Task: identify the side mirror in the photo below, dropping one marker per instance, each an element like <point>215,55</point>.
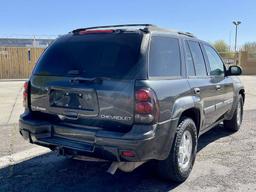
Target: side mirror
<point>234,70</point>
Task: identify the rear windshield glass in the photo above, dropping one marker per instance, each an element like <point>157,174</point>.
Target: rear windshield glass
<point>91,55</point>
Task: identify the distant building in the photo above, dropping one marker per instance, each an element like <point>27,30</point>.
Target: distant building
<point>15,42</point>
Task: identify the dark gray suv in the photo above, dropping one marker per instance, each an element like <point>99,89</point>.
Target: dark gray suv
<point>130,94</point>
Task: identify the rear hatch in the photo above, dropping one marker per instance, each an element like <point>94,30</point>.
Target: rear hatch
<point>88,80</point>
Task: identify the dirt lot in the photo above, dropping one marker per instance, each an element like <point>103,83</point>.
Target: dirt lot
<point>225,161</point>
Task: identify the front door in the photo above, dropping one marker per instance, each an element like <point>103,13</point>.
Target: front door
<point>223,85</point>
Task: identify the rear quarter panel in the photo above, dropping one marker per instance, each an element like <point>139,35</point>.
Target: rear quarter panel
<point>167,92</point>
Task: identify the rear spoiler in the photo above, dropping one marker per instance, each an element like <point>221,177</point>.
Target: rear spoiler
<point>144,27</point>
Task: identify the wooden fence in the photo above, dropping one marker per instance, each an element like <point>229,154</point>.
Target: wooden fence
<point>17,62</point>
<point>247,61</point>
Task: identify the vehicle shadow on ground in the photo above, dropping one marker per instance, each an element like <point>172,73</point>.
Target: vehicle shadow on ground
<point>212,135</point>
<point>54,173</point>
<point>51,173</point>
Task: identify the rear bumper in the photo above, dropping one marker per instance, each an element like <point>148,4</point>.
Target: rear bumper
<point>146,141</point>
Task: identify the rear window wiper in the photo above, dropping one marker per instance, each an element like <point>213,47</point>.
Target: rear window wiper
<point>88,80</point>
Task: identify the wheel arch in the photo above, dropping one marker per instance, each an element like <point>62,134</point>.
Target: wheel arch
<point>239,91</point>
<point>190,107</point>
<point>242,92</point>
<point>194,114</point>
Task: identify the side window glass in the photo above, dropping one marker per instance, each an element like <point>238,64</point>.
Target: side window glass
<point>164,57</point>
<point>197,58</point>
<point>216,65</point>
<point>189,61</point>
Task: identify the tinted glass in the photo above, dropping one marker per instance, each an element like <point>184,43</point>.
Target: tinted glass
<point>215,62</point>
<point>189,61</point>
<point>164,57</point>
<point>197,58</point>
<point>92,55</point>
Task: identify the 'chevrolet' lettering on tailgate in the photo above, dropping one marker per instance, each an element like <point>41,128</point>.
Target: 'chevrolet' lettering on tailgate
<point>119,118</point>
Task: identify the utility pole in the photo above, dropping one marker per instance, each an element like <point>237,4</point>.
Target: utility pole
<point>236,23</point>
<point>230,34</point>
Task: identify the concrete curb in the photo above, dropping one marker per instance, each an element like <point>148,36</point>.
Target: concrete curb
<point>22,156</point>
<point>9,80</point>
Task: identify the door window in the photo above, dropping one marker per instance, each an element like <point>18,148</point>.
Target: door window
<point>198,58</point>
<point>216,64</point>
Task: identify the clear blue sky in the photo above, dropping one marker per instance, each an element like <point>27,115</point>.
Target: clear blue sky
<point>209,20</point>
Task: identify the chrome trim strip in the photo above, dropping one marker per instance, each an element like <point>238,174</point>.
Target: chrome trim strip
<point>209,109</point>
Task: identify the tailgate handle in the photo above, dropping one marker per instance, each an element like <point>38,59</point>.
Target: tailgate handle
<point>68,115</point>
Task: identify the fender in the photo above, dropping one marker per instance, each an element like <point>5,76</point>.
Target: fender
<point>237,88</point>
<point>188,102</point>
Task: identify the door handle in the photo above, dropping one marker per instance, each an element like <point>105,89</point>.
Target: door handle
<point>218,87</point>
<point>197,90</point>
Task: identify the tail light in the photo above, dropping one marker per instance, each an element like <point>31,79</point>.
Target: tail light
<point>25,94</point>
<point>146,106</point>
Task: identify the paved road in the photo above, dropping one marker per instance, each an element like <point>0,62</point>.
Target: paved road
<point>11,107</point>
<point>225,162</point>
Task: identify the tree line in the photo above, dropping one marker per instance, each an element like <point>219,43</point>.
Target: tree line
<point>224,49</point>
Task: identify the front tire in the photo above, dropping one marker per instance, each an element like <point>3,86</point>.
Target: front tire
<point>179,163</point>
<point>234,124</point>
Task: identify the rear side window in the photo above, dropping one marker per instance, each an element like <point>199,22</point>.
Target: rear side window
<point>92,55</point>
<point>164,57</point>
<point>197,58</point>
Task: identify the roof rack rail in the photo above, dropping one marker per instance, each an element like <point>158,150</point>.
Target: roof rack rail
<point>186,33</point>
<point>115,26</point>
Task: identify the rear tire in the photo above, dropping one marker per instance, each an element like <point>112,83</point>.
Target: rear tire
<point>234,124</point>
<point>179,163</point>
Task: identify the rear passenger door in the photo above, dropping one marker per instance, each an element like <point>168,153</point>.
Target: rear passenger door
<point>202,86</point>
<point>224,86</point>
